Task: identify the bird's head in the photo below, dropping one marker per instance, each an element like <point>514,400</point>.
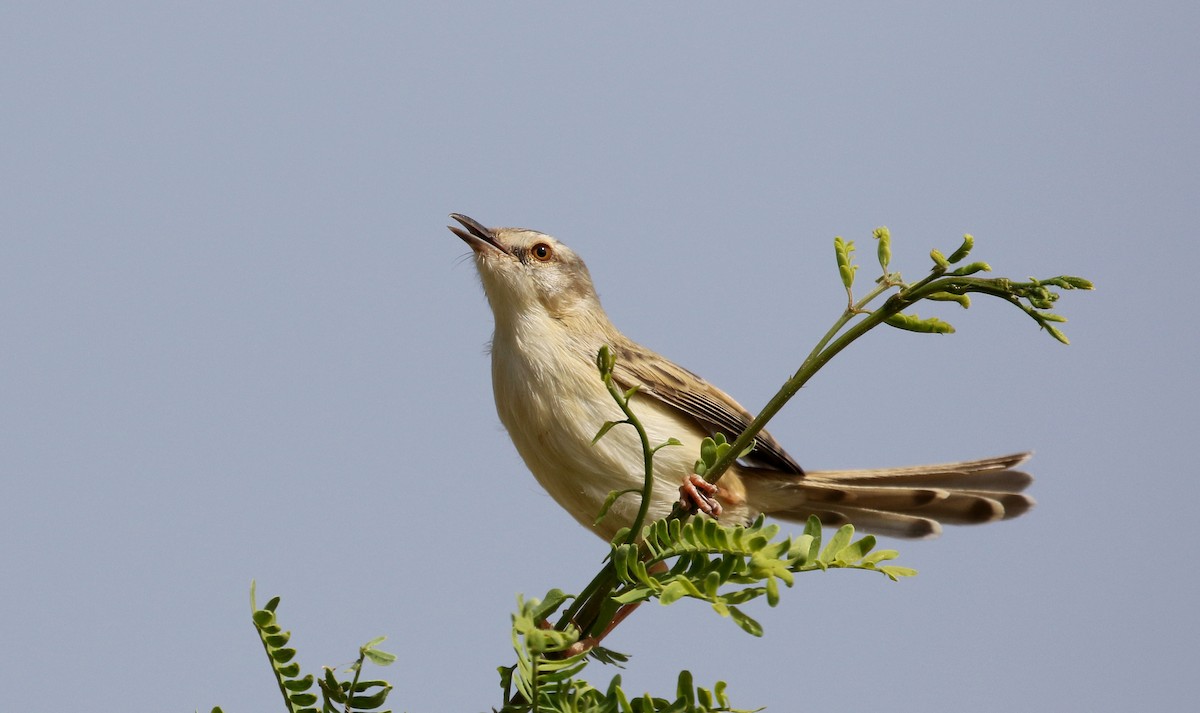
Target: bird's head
<point>526,272</point>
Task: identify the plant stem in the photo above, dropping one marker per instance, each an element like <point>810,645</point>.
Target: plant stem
<point>587,608</point>
<point>362,656</point>
<point>585,611</point>
<point>647,457</point>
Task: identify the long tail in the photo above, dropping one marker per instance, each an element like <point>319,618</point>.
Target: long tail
<point>901,502</point>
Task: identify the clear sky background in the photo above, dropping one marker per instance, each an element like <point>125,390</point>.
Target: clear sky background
<point>237,341</point>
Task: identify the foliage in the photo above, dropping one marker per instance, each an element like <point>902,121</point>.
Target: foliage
<point>343,696</point>
<point>682,557</point>
<point>709,556</point>
<point>545,672</point>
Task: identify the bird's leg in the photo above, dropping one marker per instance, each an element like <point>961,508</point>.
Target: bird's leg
<point>696,493</point>
<point>624,611</point>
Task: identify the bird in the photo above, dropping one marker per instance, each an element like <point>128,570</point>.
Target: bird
<point>549,327</point>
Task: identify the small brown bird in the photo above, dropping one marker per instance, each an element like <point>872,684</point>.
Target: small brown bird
<point>549,327</point>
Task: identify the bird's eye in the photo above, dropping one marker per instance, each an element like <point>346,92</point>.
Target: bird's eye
<point>542,252</point>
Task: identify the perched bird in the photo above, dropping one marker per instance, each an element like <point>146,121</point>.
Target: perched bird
<point>549,395</point>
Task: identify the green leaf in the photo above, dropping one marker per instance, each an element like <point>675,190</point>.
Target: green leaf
<point>609,501</point>
<point>665,444</point>
<point>299,685</point>
<point>837,543</point>
<point>380,658</point>
<point>745,621</point>
<point>772,591</point>
<point>277,640</point>
<point>638,594</point>
<point>371,701</point>
<point>880,556</point>
<point>283,655</point>
<point>303,699</point>
<point>263,618</point>
<point>673,592</point>
<point>605,428</point>
<point>800,549</point>
<point>894,573</point>
<point>554,599</point>
<point>608,656</point>
<point>856,551</point>
<point>291,670</point>
<point>685,688</point>
<point>708,451</point>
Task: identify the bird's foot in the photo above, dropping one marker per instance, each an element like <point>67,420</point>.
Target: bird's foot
<point>697,494</point>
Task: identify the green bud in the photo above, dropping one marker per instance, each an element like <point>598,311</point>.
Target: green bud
<point>967,244</point>
<point>1057,334</point>
<point>1067,282</point>
<point>884,236</point>
<point>913,323</point>
<point>972,269</point>
<point>844,249</point>
<point>605,360</point>
<point>962,300</point>
<point>939,259</point>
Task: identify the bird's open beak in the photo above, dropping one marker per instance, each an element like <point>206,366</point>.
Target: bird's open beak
<point>475,234</point>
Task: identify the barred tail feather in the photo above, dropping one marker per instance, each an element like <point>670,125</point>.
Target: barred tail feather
<point>909,502</point>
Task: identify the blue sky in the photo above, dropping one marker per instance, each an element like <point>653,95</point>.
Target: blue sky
<point>237,341</point>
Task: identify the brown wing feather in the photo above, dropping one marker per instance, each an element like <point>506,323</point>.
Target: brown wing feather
<point>709,406</point>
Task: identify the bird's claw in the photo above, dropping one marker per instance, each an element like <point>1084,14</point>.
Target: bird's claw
<point>697,494</point>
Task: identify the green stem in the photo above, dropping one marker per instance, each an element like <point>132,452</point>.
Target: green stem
<point>852,310</point>
<point>275,669</point>
<point>606,579</point>
<point>362,656</point>
<point>798,380</point>
<point>585,611</point>
<point>647,458</point>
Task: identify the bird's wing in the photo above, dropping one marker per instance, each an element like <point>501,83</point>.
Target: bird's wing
<point>710,407</point>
